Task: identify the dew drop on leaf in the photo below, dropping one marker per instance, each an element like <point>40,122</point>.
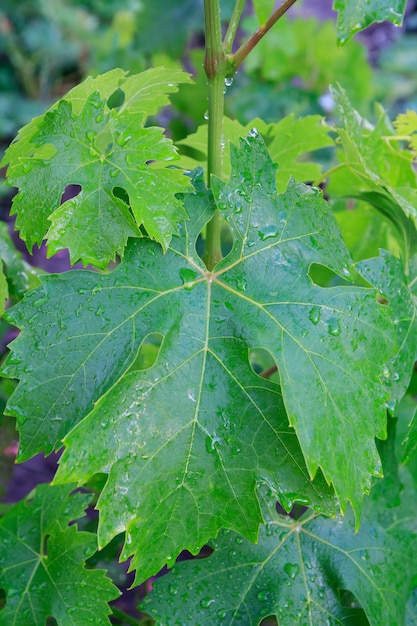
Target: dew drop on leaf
<point>333,327</point>
<point>206,602</point>
<point>268,232</point>
<point>314,315</point>
<point>292,570</point>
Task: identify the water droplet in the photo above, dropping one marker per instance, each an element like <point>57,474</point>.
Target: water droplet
<point>268,232</point>
<point>90,135</point>
<point>333,326</point>
<point>206,115</point>
<point>206,602</point>
<point>241,284</point>
<point>263,595</point>
<point>99,118</point>
<point>228,81</point>
<point>56,419</point>
<point>314,315</point>
<point>222,614</point>
<point>113,173</point>
<point>239,540</point>
<point>187,277</point>
<point>123,139</point>
<point>292,570</point>
<point>253,133</point>
<point>173,589</point>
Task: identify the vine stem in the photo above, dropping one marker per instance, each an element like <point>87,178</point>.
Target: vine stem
<point>233,26</point>
<point>215,65</point>
<point>241,54</point>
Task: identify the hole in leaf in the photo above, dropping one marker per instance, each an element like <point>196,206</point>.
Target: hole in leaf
<point>148,352</point>
<point>263,364</point>
<point>2,599</point>
<point>45,545</point>
<point>270,620</point>
<point>121,194</point>
<point>323,276</point>
<point>116,99</point>
<point>70,192</point>
<point>51,621</point>
<point>348,600</point>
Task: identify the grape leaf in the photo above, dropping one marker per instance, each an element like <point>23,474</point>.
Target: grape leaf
<point>387,274</point>
<point>199,421</point>
<point>144,92</point>
<point>289,141</point>
<point>406,124</point>
<point>355,15</point>
<point>307,571</point>
<point>42,563</point>
<point>102,150</point>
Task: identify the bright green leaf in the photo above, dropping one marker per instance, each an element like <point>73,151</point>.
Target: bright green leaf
<point>406,124</point>
<point>289,142</point>
<point>42,563</point>
<point>355,15</point>
<point>193,425</point>
<point>102,150</point>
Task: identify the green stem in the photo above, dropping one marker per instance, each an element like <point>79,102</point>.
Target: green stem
<point>215,65</point>
<point>260,32</point>
<point>233,26</point>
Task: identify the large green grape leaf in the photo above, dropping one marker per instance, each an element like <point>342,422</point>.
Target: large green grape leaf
<point>185,442</point>
<point>355,15</point>
<point>289,142</point>
<point>42,563</point>
<point>305,572</point>
<point>102,150</point>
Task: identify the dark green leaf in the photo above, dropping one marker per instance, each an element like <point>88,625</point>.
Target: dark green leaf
<point>305,572</point>
<point>42,563</point>
<point>185,442</point>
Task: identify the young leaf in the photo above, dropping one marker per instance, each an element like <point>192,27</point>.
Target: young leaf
<point>355,15</point>
<point>289,141</point>
<point>185,442</point>
<point>373,170</point>
<point>406,124</point>
<point>42,563</point>
<point>103,150</point>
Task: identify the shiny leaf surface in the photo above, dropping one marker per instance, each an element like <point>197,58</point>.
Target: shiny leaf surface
<point>42,563</point>
<point>106,152</point>
<point>185,442</point>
